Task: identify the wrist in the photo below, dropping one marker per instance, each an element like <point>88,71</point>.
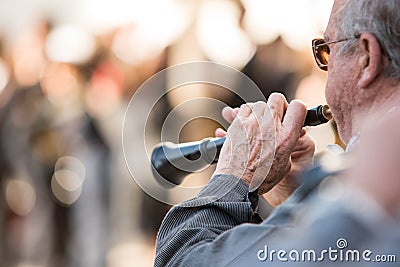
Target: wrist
<point>243,174</point>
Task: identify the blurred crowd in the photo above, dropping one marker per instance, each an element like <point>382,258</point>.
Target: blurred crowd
<point>63,178</point>
<point>66,196</point>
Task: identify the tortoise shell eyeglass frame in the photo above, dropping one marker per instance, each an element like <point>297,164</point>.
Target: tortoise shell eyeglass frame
<point>321,51</point>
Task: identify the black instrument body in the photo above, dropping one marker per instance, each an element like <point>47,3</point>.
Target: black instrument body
<point>172,162</point>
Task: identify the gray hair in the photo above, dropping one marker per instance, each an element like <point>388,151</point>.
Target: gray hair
<point>379,17</point>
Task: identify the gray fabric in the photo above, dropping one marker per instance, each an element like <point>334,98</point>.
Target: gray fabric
<point>219,233</point>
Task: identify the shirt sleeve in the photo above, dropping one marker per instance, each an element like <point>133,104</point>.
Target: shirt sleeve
<point>214,228</point>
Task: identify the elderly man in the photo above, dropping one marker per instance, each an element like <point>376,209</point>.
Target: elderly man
<point>324,217</point>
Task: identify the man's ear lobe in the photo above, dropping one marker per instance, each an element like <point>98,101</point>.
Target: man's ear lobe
<point>371,60</point>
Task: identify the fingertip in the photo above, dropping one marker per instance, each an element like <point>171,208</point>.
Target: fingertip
<point>277,105</point>
<point>298,107</point>
<point>220,132</point>
<point>227,114</point>
<point>245,110</point>
<point>226,110</point>
<point>277,95</point>
<point>299,103</point>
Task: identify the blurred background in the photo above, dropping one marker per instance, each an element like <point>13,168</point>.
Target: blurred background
<point>67,72</point>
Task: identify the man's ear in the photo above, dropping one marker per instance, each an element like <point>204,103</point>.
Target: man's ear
<point>371,60</point>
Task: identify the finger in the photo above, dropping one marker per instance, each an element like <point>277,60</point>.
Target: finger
<point>303,132</point>
<point>294,119</point>
<point>259,109</point>
<point>277,105</point>
<point>229,114</point>
<point>304,149</point>
<point>245,110</point>
<point>220,132</point>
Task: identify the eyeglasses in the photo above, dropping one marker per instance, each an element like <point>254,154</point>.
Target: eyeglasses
<point>321,51</point>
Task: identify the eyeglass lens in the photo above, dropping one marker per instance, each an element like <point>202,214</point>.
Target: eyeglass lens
<point>322,52</point>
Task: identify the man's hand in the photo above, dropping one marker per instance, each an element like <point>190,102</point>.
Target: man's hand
<point>266,146</point>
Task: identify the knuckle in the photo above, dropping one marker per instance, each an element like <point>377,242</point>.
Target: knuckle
<point>283,144</point>
<point>253,122</point>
